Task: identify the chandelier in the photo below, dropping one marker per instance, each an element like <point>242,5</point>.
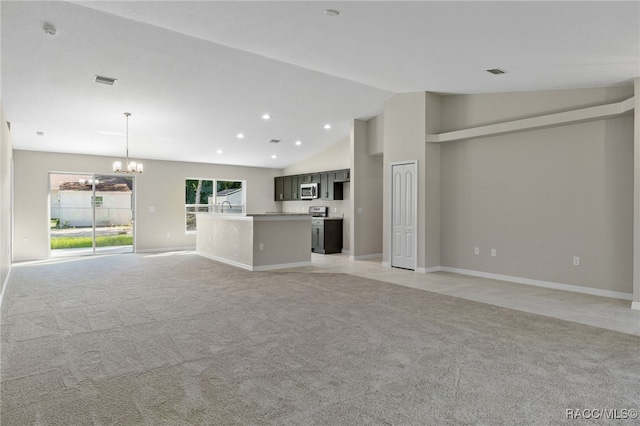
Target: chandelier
<point>130,166</point>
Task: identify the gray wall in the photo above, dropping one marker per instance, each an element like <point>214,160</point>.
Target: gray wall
<point>539,197</point>
<point>375,135</point>
<point>366,190</point>
<point>160,187</point>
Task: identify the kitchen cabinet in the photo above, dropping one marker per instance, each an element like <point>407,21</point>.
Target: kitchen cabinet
<point>329,188</point>
<point>279,188</point>
<point>325,192</point>
<point>309,178</point>
<point>295,187</point>
<point>342,175</point>
<point>287,188</point>
<point>326,235</point>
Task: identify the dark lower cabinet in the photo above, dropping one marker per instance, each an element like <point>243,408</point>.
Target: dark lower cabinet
<point>326,236</point>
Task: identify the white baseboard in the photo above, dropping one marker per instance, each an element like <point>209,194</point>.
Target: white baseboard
<point>281,266</point>
<point>366,256</point>
<point>385,264</point>
<point>545,284</point>
<point>166,249</point>
<point>417,270</point>
<point>343,251</point>
<point>254,268</point>
<point>636,306</point>
<point>227,261</point>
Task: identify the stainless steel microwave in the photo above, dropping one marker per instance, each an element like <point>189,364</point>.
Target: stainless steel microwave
<point>308,191</point>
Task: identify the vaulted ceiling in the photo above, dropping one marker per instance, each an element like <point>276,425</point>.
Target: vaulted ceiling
<point>194,75</point>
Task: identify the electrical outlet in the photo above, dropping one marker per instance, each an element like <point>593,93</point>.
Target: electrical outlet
<point>476,250</point>
<point>261,247</point>
<point>25,240</point>
<point>494,253</point>
<point>168,234</point>
<point>576,260</point>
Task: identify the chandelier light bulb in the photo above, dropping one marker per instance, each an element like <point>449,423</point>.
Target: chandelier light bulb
<point>130,166</point>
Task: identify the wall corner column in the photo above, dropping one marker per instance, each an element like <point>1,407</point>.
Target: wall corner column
<point>365,230</point>
<point>407,119</point>
<point>636,196</point>
<point>433,260</point>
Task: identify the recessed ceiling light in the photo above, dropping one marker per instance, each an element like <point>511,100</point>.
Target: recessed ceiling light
<point>274,156</point>
<point>266,116</point>
<point>219,151</point>
<point>240,136</point>
<point>331,12</point>
<point>327,126</point>
<point>298,143</point>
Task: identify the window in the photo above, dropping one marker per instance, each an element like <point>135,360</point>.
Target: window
<point>199,194</point>
<point>229,197</point>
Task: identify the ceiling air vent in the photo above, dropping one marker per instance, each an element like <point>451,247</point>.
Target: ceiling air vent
<point>274,141</point>
<point>496,71</point>
<point>104,80</point>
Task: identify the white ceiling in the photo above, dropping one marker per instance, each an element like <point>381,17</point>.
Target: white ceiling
<point>195,74</point>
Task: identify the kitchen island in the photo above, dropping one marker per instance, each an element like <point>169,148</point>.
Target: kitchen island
<point>257,242</point>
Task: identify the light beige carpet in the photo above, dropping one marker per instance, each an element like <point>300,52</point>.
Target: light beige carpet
<point>183,340</point>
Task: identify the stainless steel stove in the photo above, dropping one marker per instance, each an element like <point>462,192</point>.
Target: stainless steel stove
<point>326,232</point>
<point>319,211</point>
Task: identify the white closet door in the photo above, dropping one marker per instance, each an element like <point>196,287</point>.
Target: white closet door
<point>403,216</point>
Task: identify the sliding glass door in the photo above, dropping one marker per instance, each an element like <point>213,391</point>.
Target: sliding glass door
<point>91,214</point>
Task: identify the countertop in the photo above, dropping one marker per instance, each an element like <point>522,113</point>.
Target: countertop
<point>267,215</point>
<point>255,216</point>
<point>278,214</point>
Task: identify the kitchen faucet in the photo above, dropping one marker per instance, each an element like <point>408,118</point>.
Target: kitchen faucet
<point>222,206</point>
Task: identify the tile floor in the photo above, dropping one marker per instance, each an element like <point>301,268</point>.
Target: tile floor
<point>603,312</point>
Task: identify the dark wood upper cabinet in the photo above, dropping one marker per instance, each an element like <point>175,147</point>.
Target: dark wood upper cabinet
<point>287,188</point>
